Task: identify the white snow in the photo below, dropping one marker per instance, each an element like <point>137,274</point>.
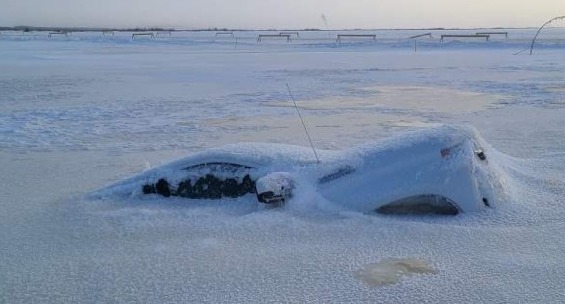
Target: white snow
<point>88,111</point>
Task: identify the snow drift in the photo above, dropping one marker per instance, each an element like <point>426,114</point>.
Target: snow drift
<point>443,170</point>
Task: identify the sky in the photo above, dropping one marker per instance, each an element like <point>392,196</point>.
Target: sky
<point>265,14</point>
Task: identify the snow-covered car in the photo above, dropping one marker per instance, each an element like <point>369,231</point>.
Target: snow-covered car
<point>442,170</point>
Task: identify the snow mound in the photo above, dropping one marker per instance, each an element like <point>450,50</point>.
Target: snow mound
<point>445,169</point>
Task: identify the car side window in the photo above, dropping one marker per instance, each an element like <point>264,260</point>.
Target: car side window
<point>343,171</point>
<point>213,180</point>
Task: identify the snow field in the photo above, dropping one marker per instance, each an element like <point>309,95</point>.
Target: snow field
<point>82,113</point>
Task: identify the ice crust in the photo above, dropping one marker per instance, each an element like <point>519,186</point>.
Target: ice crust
<point>83,113</point>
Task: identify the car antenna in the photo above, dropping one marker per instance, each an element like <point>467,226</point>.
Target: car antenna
<point>303,124</point>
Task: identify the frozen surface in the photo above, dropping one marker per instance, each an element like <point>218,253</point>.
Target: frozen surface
<point>86,111</point>
<point>391,271</point>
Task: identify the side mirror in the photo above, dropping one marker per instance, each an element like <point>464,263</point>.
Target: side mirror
<point>274,188</point>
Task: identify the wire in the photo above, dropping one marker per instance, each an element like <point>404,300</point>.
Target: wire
<point>303,124</point>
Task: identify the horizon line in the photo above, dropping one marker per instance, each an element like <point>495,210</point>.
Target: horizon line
<point>179,29</point>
